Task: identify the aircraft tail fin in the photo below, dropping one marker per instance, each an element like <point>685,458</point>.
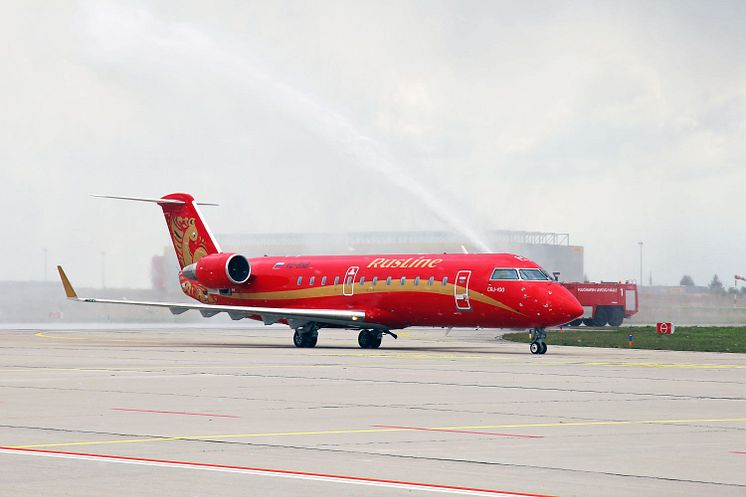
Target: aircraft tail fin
<point>191,237</point>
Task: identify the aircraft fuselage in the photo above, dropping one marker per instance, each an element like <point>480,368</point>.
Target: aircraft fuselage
<point>396,291</point>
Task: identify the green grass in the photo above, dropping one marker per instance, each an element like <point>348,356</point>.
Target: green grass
<point>693,338</point>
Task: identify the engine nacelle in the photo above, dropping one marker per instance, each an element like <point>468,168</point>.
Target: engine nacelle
<point>219,271</point>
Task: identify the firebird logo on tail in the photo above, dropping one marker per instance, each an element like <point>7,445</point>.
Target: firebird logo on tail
<point>189,244</point>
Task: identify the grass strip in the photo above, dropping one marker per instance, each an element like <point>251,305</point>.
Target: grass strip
<point>690,338</point>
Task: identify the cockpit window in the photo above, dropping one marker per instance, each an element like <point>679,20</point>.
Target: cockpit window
<point>504,274</point>
<point>534,274</point>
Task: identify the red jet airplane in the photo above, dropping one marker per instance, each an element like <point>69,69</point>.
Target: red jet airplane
<point>371,293</point>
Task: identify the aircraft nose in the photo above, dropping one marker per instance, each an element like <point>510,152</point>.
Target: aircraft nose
<point>568,305</point>
<point>553,304</point>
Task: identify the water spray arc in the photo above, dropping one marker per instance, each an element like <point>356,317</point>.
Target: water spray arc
<point>118,30</point>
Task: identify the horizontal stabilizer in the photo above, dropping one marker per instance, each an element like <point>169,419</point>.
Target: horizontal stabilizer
<point>159,201</point>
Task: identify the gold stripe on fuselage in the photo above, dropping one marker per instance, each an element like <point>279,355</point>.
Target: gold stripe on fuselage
<point>367,289</point>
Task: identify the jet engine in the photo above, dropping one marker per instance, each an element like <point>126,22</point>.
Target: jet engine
<point>219,271</point>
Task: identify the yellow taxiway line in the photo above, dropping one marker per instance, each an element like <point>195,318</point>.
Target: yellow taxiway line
<point>381,430</point>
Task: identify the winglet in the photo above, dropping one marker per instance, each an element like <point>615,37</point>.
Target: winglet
<point>69,290</point>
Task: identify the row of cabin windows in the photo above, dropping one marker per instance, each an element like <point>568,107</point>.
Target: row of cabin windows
<point>374,281</point>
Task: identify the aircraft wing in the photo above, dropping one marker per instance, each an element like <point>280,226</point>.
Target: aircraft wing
<point>270,315</point>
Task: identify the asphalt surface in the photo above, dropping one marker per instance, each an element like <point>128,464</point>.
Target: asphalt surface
<point>243,412</point>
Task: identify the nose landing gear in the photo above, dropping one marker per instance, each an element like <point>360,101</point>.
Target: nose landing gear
<point>537,345</point>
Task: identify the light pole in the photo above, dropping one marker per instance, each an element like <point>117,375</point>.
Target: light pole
<point>640,244</point>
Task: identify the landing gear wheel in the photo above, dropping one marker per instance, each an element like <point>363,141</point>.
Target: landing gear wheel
<point>537,336</point>
<point>305,340</point>
<point>369,339</point>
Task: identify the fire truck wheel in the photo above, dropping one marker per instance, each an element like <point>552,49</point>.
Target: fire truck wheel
<point>601,317</point>
<point>616,317</point>
<point>576,322</point>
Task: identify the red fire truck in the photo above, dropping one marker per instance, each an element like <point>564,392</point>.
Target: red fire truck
<point>604,303</point>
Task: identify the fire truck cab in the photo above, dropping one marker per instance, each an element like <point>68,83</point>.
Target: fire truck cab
<point>604,303</point>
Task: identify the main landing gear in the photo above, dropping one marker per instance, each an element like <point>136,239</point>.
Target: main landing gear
<point>537,336</point>
<point>369,339</point>
<point>306,336</point>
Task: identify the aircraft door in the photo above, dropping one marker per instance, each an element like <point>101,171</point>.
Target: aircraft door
<point>348,284</point>
<point>461,290</point>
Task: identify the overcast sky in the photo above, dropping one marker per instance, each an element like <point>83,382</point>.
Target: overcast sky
<point>617,122</point>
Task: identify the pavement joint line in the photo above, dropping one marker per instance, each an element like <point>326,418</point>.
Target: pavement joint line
<point>282,473</point>
<point>395,355</point>
<point>182,413</point>
<point>378,430</point>
<point>531,362</point>
<point>148,369</point>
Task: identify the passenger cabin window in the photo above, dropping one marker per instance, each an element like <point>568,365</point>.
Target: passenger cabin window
<point>504,274</point>
<point>362,280</point>
<point>375,280</point>
<point>336,280</point>
<point>388,281</point>
<point>445,280</point>
<point>403,280</point>
<point>534,274</point>
<point>431,280</point>
<point>323,281</point>
<point>310,282</point>
<point>417,281</point>
<point>300,280</point>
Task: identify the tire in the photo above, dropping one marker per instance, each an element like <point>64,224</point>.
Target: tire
<point>576,322</point>
<point>601,317</point>
<point>297,339</point>
<point>543,348</point>
<point>616,316</point>
<point>366,339</point>
<point>535,348</point>
<point>305,341</point>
